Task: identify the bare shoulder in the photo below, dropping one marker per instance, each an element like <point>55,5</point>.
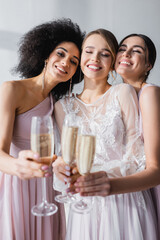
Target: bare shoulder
<point>150,93</point>
<point>12,91</point>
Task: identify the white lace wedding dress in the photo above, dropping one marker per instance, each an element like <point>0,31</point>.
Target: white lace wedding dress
<point>119,152</point>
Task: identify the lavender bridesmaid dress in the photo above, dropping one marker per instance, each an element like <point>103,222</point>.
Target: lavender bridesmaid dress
<point>156,190</point>
<point>18,196</point>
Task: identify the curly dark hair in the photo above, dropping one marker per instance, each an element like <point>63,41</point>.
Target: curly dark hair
<point>36,46</point>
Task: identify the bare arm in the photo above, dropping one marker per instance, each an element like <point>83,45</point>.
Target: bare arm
<point>22,166</point>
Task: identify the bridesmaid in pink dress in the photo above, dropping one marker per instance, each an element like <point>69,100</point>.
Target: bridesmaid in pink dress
<point>134,70</point>
<point>49,58</point>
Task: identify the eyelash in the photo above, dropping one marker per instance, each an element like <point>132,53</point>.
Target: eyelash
<point>61,54</point>
<point>102,54</point>
<point>123,50</point>
<point>136,51</point>
<point>73,62</point>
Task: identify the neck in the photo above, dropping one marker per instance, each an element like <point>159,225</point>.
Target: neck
<point>48,84</point>
<point>93,90</point>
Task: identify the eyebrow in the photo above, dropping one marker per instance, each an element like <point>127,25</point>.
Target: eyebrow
<point>67,52</point>
<point>104,49</point>
<point>124,45</point>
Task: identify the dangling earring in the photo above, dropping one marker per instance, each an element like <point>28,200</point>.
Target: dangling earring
<point>44,71</point>
<point>80,73</point>
<point>70,88</point>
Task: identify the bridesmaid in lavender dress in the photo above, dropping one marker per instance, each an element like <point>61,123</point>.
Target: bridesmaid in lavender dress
<point>49,58</point>
<point>135,59</point>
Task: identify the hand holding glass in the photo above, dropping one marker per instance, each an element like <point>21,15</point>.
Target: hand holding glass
<point>68,146</point>
<point>42,141</point>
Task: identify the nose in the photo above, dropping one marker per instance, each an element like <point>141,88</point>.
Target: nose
<point>95,57</point>
<point>65,62</point>
<point>127,53</point>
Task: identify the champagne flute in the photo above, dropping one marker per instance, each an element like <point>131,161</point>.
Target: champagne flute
<point>68,146</point>
<point>42,141</point>
<point>86,145</point>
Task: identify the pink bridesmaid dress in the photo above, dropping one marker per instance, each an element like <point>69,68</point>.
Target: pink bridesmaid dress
<point>18,196</point>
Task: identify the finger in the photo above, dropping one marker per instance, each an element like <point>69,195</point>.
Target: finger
<point>92,176</point>
<point>63,177</point>
<point>74,170</point>
<point>26,173</point>
<point>96,188</point>
<point>28,154</point>
<point>92,182</point>
<point>71,189</point>
<point>99,193</point>
<point>62,169</point>
<point>54,158</point>
<point>74,178</point>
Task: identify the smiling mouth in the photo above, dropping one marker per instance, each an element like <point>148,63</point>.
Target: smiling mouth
<point>94,67</point>
<point>61,69</point>
<point>124,62</point>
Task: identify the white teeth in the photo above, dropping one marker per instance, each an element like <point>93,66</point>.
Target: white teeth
<point>93,67</point>
<point>126,62</point>
<point>61,69</point>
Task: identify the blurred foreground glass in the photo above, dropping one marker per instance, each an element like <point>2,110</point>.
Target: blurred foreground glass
<point>86,145</point>
<point>68,146</point>
<point>42,141</point>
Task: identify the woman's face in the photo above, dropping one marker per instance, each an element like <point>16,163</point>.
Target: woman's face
<point>63,62</point>
<point>96,58</point>
<point>132,58</point>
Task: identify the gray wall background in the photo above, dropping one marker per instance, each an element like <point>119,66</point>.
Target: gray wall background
<point>122,17</point>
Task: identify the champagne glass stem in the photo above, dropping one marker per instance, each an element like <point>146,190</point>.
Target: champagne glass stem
<point>44,193</point>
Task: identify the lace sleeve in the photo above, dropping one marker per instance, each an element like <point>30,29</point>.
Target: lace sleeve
<point>133,150</point>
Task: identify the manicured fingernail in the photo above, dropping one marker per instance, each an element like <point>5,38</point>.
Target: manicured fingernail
<point>77,190</point>
<point>74,171</point>
<point>65,180</point>
<point>47,174</point>
<point>44,167</point>
<point>68,173</point>
<point>67,167</point>
<point>76,184</point>
<point>36,156</point>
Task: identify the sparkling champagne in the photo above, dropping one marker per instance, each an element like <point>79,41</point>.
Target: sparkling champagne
<point>85,153</point>
<point>68,142</point>
<point>44,145</point>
